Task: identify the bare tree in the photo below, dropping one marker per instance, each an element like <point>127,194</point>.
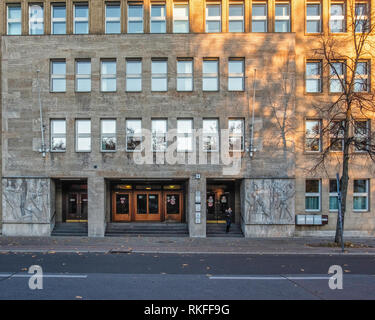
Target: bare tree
<point>346,68</point>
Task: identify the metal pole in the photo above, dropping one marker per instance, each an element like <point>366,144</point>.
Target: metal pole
<point>252,117</point>
<point>340,211</point>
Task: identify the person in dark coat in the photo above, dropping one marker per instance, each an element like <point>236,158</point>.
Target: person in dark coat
<point>228,218</point>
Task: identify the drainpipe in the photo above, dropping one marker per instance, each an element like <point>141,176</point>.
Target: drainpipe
<point>43,148</point>
<point>252,149</point>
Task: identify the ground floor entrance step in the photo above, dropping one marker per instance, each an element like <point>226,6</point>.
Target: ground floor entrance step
<point>219,230</point>
<point>78,229</point>
<point>147,229</point>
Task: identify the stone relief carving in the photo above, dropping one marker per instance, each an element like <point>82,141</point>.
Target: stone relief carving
<point>269,201</point>
<point>26,200</point>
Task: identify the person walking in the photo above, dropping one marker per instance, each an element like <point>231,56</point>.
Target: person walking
<point>228,218</point>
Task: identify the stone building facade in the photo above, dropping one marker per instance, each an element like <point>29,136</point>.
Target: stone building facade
<point>221,76</point>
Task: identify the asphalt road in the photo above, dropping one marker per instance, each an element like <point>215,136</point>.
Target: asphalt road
<point>194,276</point>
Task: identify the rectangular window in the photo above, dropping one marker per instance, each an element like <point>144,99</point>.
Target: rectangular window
<point>157,19</point>
<point>362,23</point>
<point>236,134</point>
<point>108,135</point>
<point>313,18</point>
<point>81,18</point>
<point>58,19</point>
<point>184,75</point>
<point>180,18</point>
<point>313,136</point>
<point>213,18</point>
<point>112,18</point>
<point>133,75</point>
<point>83,135</point>
<point>135,18</point>
<point>159,79</point>
<point>210,136</point>
<point>313,76</point>
<point>58,76</point>
<point>362,76</point>
<point>312,195</point>
<point>259,17</point>
<point>333,195</point>
<point>14,23</point>
<point>159,135</point>
<point>58,135</point>
<point>108,75</point>
<point>236,18</point>
<point>36,19</point>
<point>336,136</point>
<point>361,135</point>
<point>337,77</point>
<point>360,195</point>
<point>236,75</point>
<point>282,17</point>
<point>184,135</point>
<point>337,18</point>
<point>133,135</point>
<point>210,78</point>
<point>83,75</point>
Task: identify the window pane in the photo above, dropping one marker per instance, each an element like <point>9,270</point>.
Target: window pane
<point>59,28</point>
<point>282,26</point>
<point>84,126</point>
<point>313,10</point>
<point>135,11</point>
<point>14,29</point>
<point>360,186</point>
<point>235,10</point>
<point>58,12</point>
<point>58,144</point>
<point>81,28</point>
<point>333,203</point>
<point>58,85</point>
<point>108,84</point>
<point>184,67</point>
<point>113,11</point>
<point>210,66</point>
<point>58,127</point>
<point>158,27</point>
<point>210,84</point>
<point>181,26</point>
<point>108,67</point>
<point>83,67</point>
<point>135,27</point>
<point>14,12</point>
<point>235,84</point>
<point>113,27</point>
<point>259,26</point>
<point>213,10</point>
<point>83,85</point>
<point>210,126</point>
<point>235,26</point>
<point>360,203</point>
<point>282,10</point>
<point>108,126</point>
<point>159,67</point>
<point>184,84</point>
<point>133,67</point>
<point>312,186</point>
<point>235,66</point>
<point>259,10</point>
<point>81,11</point>
<point>133,127</point>
<point>133,84</point>
<point>84,144</point>
<point>213,26</point>
<point>313,26</point>
<point>312,203</point>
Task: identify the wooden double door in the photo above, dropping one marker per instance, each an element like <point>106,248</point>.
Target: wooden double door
<point>147,206</point>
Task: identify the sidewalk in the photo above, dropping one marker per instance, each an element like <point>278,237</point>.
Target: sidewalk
<point>183,245</point>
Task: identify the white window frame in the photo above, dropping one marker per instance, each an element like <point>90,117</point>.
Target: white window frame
<point>213,18</point>
<point>14,21</point>
<point>361,17</point>
<point>283,18</point>
<point>132,76</point>
<point>159,135</point>
<point>158,18</point>
<point>57,20</point>
<point>107,76</point>
<point>362,194</point>
<point>332,136</point>
<point>136,19</point>
<point>337,18</point>
<point>82,135</point>
<point>308,136</point>
<point>132,135</point>
<point>362,77</point>
<point>363,136</point>
<point>187,134</point>
<point>185,75</point>
<point>57,135</point>
<point>160,76</point>
<point>104,135</point>
<point>332,194</point>
<point>112,19</point>
<point>314,18</point>
<point>211,75</point>
<point>235,136</point>
<point>179,17</point>
<point>259,18</point>
<point>237,75</point>
<point>81,19</point>
<point>57,76</point>
<point>37,20</point>
<point>82,75</point>
<point>314,76</point>
<point>236,18</point>
<point>314,194</point>
<point>210,135</point>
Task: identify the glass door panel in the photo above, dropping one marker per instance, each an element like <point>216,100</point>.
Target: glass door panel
<point>121,206</point>
<point>153,203</point>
